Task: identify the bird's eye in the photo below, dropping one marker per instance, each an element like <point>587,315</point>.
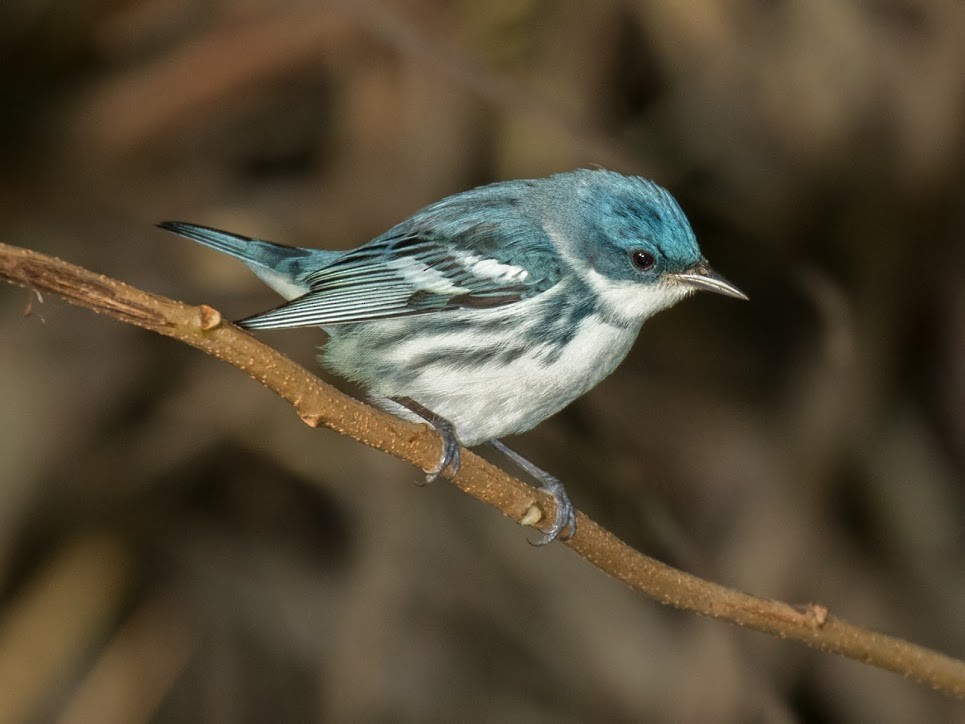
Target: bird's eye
<point>642,260</point>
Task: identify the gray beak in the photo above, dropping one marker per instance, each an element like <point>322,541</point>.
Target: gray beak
<point>700,275</point>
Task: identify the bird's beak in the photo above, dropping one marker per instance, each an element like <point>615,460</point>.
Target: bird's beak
<point>700,275</point>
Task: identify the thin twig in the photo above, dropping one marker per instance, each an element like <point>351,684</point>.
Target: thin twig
<point>320,405</point>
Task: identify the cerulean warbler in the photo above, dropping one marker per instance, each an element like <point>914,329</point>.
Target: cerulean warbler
<point>492,309</point>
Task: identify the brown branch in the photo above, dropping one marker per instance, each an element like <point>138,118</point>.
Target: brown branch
<point>320,405</point>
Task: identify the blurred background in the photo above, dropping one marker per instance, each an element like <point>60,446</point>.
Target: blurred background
<point>176,546</point>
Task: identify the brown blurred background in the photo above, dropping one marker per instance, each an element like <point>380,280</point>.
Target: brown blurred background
<point>175,546</point>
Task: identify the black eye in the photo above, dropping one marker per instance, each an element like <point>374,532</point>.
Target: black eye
<point>642,260</point>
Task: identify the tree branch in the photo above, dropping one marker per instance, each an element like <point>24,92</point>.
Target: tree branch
<point>320,405</point>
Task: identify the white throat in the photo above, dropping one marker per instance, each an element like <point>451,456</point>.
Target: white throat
<point>624,302</point>
<point>632,302</point>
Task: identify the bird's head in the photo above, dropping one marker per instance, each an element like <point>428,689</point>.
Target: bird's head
<point>630,241</point>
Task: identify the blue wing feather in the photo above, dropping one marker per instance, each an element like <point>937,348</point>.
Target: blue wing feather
<point>451,255</point>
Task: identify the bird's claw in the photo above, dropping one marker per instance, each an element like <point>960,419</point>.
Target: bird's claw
<point>564,523</point>
<point>450,460</point>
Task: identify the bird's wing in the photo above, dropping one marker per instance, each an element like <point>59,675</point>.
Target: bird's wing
<point>442,259</point>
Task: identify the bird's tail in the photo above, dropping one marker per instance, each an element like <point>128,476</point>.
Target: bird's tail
<point>242,247</point>
<point>283,268</point>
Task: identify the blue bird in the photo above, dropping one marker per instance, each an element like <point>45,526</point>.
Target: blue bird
<point>492,309</point>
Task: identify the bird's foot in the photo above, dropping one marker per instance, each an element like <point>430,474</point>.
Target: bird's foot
<point>564,523</point>
<point>449,460</point>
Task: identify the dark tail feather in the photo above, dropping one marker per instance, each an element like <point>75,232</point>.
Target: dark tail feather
<point>283,268</point>
<point>242,247</point>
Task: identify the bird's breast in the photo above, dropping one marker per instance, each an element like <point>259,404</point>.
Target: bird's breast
<point>504,381</point>
<point>492,400</point>
<point>490,372</point>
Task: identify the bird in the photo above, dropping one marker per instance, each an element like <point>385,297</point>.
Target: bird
<point>488,311</point>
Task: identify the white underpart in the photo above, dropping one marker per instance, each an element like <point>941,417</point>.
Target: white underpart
<point>491,400</point>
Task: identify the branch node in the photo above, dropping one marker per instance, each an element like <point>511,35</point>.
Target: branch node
<point>532,516</point>
<point>312,419</point>
<point>816,614</point>
<point>210,318</point>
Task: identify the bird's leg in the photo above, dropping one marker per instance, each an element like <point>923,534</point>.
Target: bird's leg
<point>565,522</point>
<point>450,443</point>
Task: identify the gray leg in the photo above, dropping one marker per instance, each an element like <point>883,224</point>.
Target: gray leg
<point>565,522</point>
<point>450,443</point>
